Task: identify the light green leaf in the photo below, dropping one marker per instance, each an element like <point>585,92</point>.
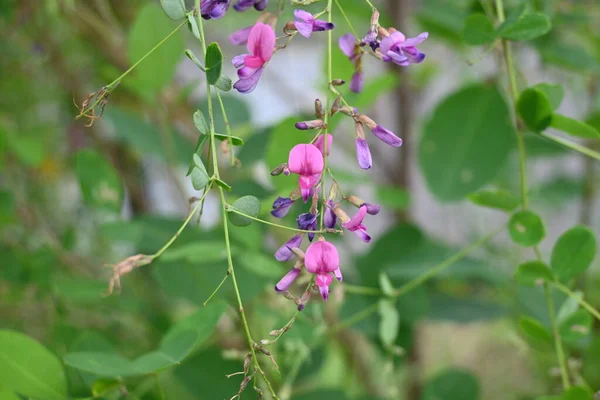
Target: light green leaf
<point>573,252</point>
<point>248,205</point>
<point>261,265</point>
<point>236,141</point>
<point>389,323</point>
<point>199,175</point>
<point>101,364</point>
<point>553,92</point>
<point>224,83</point>
<point>500,199</point>
<point>576,326</point>
<point>574,127</point>
<point>222,184</point>
<point>577,393</point>
<point>526,228</point>
<point>386,284</point>
<point>196,252</point>
<point>570,305</point>
<point>452,384</point>
<point>189,54</point>
<point>193,25</point>
<point>214,63</point>
<point>175,9</point>
<point>462,151</point>
<point>532,273</point>
<point>30,369</point>
<point>202,139</point>
<point>478,30</point>
<point>200,123</point>
<point>535,109</point>
<point>527,26</point>
<point>7,394</point>
<point>536,333</point>
<point>204,321</point>
<point>99,182</point>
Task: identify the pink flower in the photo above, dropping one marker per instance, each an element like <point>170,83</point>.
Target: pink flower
<point>322,259</point>
<point>355,224</point>
<point>307,161</point>
<point>261,44</point>
<point>320,143</point>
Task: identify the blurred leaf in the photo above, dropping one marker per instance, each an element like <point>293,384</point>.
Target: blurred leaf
<point>261,265</point>
<point>80,290</point>
<point>105,386</point>
<point>539,146</point>
<point>7,207</point>
<point>29,368</point>
<point>393,197</point>
<point>389,322</point>
<point>30,150</point>
<point>559,191</point>
<point>255,148</point>
<point>478,30</point>
<point>463,309</point>
<point>451,384</point>
<point>577,326</point>
<point>574,127</point>
<point>569,55</point>
<point>536,333</point>
<point>175,9</point>
<point>199,176</point>
<point>577,393</point>
<point>443,19</point>
<point>459,153</point>
<point>190,54</point>
<point>526,26</point>
<point>200,123</point>
<point>526,228</point>
<point>535,109</point>
<point>197,252</point>
<point>214,63</point>
<point>238,114</point>
<point>204,321</point>
<point>248,205</point>
<point>222,184</point>
<point>7,394</point>
<point>385,284</point>
<point>570,305</point>
<point>99,182</point>
<point>500,199</point>
<point>573,252</point>
<point>101,364</point>
<point>236,141</point>
<point>325,394</point>
<point>149,28</point>
<point>531,273</point>
<point>554,92</point>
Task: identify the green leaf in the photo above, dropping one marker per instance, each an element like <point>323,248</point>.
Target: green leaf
<point>389,322</point>
<point>577,393</point>
<point>214,63</point>
<point>248,205</point>
<point>204,321</point>
<point>460,151</point>
<point>101,364</point>
<point>574,127</point>
<point>196,252</point>
<point>393,197</point>
<point>202,139</point>
<point>535,332</point>
<point>573,252</point>
<point>224,83</point>
<point>452,384</point>
<point>526,228</point>
<point>532,273</point>
<point>200,123</point>
<point>478,30</point>
<point>157,70</point>
<point>30,369</point>
<point>222,184</point>
<point>7,207</point>
<point>175,9</point>
<point>386,284</point>
<point>236,141</point>
<point>261,265</point>
<point>199,175</point>
<point>568,307</point>
<point>189,54</point>
<point>525,27</point>
<point>7,394</point>
<point>577,326</point>
<point>553,92</point>
<point>535,109</point>
<point>193,25</point>
<point>99,182</point>
<point>500,199</point>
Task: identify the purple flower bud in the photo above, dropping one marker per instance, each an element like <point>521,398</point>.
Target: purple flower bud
<point>386,136</point>
<point>289,278</point>
<point>284,253</point>
<point>357,82</point>
<point>372,209</point>
<point>281,207</point>
<point>214,9</point>
<point>308,222</point>
<point>243,5</point>
<point>329,218</point>
<point>240,37</point>
<point>304,125</point>
<point>363,154</point>
<point>260,5</point>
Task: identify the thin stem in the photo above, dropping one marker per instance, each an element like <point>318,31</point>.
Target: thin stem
<point>579,299</point>
<point>572,145</point>
<point>227,127</point>
<point>161,392</point>
<point>370,4</point>
<point>262,221</point>
<point>346,18</point>
<point>562,360</point>
<point>217,289</point>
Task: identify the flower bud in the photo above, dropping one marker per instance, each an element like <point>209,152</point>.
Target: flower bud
<point>367,121</point>
<point>314,124</point>
<point>336,105</point>
<point>338,82</point>
<point>278,170</point>
<point>319,109</point>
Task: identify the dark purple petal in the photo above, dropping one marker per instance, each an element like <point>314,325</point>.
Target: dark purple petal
<point>338,274</point>
<point>214,9</point>
<point>306,221</point>
<point>320,26</point>
<point>289,278</point>
<point>329,218</point>
<point>387,136</point>
<point>247,85</point>
<point>414,55</point>
<point>311,235</point>
<point>243,5</point>
<point>357,82</point>
<point>260,5</point>
<point>362,234</point>
<point>302,126</point>
<point>281,207</point>
<point>284,253</point>
<point>363,154</point>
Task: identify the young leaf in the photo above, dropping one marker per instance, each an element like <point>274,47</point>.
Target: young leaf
<point>202,139</point>
<point>222,184</point>
<point>568,307</point>
<point>30,369</point>
<point>574,127</point>
<point>204,321</point>
<point>199,175</point>
<point>200,123</point>
<point>573,252</point>
<point>386,284</point>
<point>553,92</point>
<point>224,83</point>
<point>248,205</point>
<point>532,273</point>
<point>393,197</point>
<point>525,27</point>
<point>193,25</point>
<point>175,9</point>
<point>214,63</point>
<point>389,323</point>
<point>189,54</point>
<point>526,228</point>
<point>478,30</point>
<point>535,109</point>
<point>500,199</point>
<point>236,141</point>
<point>535,331</point>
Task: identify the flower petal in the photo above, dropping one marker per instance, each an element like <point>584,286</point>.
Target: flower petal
<point>287,280</point>
<point>338,274</point>
<point>253,62</point>
<point>362,234</point>
<point>347,44</point>
<point>305,159</point>
<point>240,36</point>
<point>261,41</point>
<point>386,136</point>
<point>320,143</point>
<point>321,257</point>
<point>363,154</point>
<point>247,85</point>
<point>356,221</point>
<point>357,82</point>
<point>320,26</point>
<point>304,28</point>
<point>416,40</point>
<point>323,281</point>
<point>284,253</point>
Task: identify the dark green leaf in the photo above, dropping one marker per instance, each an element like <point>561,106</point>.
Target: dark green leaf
<point>533,273</point>
<point>389,322</point>
<point>535,109</point>
<point>577,326</point>
<point>248,205</point>
<point>535,332</point>
<point>175,9</point>
<point>573,252</point>
<point>99,182</point>
<point>451,384</point>
<point>461,152</point>
<point>553,92</point>
<point>479,30</point>
<point>204,321</point>
<point>525,27</point>
<point>261,265</point>
<point>526,228</point>
<point>500,199</point>
<point>574,127</point>
<point>202,139</point>
<point>214,63</point>
<point>464,309</point>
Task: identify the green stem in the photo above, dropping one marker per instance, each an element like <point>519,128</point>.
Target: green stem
<point>579,299</point>
<point>562,360</point>
<point>572,145</point>
<point>227,127</point>
<point>262,221</point>
<point>370,4</point>
<point>161,392</point>
<point>346,18</point>
<point>217,289</point>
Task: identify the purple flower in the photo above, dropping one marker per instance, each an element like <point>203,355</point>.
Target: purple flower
<point>281,206</point>
<point>240,37</point>
<point>386,136</point>
<point>329,218</point>
<point>261,44</point>
<point>398,49</point>
<point>308,222</point>
<point>289,278</point>
<point>313,124</point>
<point>214,9</point>
<point>306,23</point>
<point>322,258</point>
<point>355,224</point>
<point>371,39</point>
<point>363,154</point>
<point>349,46</point>
<point>357,82</point>
<point>372,209</point>
<point>284,253</point>
<point>243,5</point>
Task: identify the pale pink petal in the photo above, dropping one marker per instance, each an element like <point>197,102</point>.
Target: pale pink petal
<point>320,143</point>
<point>261,41</point>
<point>323,281</point>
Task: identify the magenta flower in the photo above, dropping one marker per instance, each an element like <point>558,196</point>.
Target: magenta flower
<point>243,5</point>
<point>240,37</point>
<point>355,224</point>
<point>349,46</point>
<point>398,49</point>
<point>306,23</point>
<point>287,281</point>
<point>213,9</point>
<point>307,161</point>
<point>322,259</point>
<point>284,253</point>
<point>281,206</point>
<point>320,143</point>
<point>261,44</point>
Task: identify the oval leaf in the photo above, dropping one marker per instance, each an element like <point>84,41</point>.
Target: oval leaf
<point>526,228</point>
<point>574,127</point>
<point>479,30</point>
<point>452,384</point>
<point>553,92</point>
<point>199,175</point>
<point>573,252</point>
<point>248,205</point>
<point>525,27</point>
<point>535,109</point>
<point>193,25</point>
<point>236,141</point>
<point>389,322</point>
<point>175,9</point>
<point>533,273</point>
<point>101,364</point>
<point>30,369</point>
<point>537,333</point>
<point>499,199</point>
<point>577,326</point>
<point>200,123</point>
<point>462,151</point>
<point>224,83</point>
<point>214,63</point>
